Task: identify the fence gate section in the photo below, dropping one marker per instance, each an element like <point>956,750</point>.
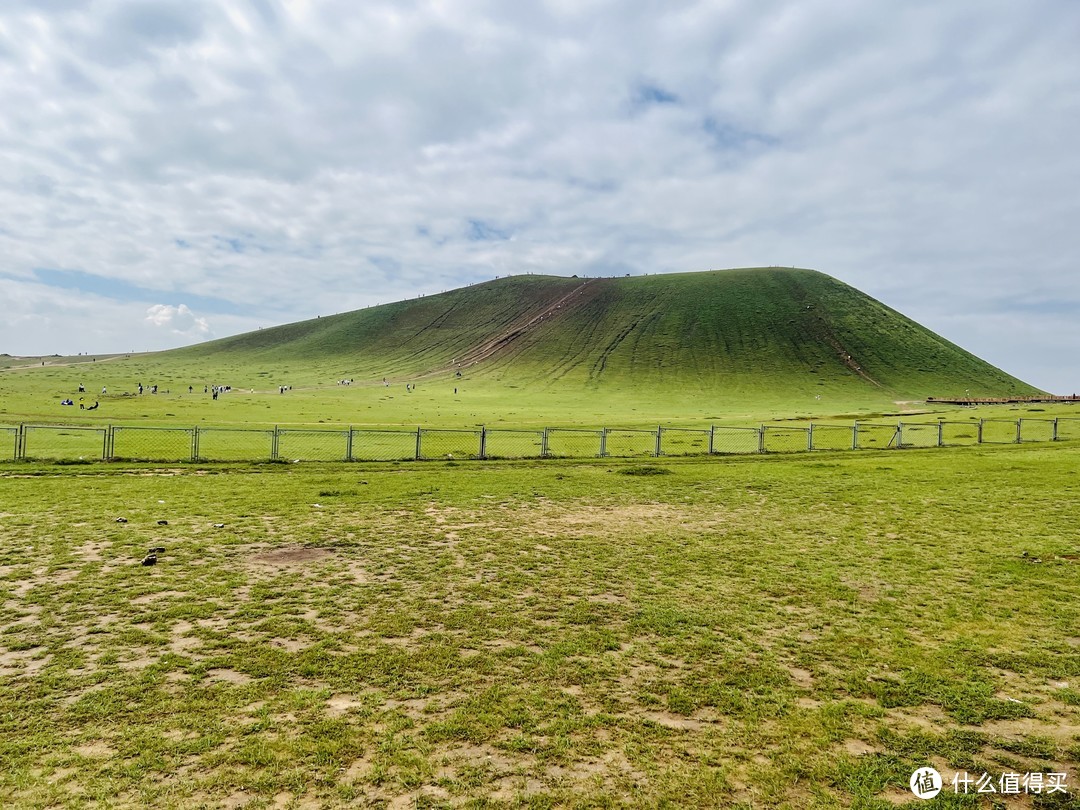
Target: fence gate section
<point>736,440</point>
<point>9,443</point>
<point>448,444</point>
<point>832,437</point>
<point>999,431</point>
<point>140,443</point>
<point>235,444</point>
<point>956,434</point>
<point>874,435</point>
<point>778,439</point>
<point>506,443</point>
<point>685,441</point>
<point>573,443</point>
<point>64,443</point>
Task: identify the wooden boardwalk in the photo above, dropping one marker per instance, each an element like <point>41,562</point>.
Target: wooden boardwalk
<point>1047,398</point>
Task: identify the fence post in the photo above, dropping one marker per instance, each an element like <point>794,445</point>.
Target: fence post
<point>810,438</point>
<point>105,443</point>
<point>483,442</point>
<point>1054,435</point>
<point>761,439</point>
<point>418,443</point>
<point>274,444</point>
<point>659,441</point>
<point>712,439</point>
<point>855,435</point>
<point>1018,421</point>
<point>544,444</point>
<point>980,435</point>
<point>195,443</point>
<point>348,445</point>
<point>899,435</point>
<point>20,442</point>
<point>603,442</point>
<point>940,434</point>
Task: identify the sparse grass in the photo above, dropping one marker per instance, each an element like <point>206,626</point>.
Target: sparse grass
<point>762,632</point>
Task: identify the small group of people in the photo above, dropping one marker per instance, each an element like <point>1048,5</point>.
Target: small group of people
<point>283,388</point>
<point>344,382</point>
<point>82,406</point>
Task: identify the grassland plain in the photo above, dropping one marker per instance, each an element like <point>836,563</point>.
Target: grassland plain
<point>32,394</point>
<point>764,632</point>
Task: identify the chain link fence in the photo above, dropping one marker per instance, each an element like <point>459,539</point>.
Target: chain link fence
<point>685,441</point>
<point>448,444</point>
<point>372,444</point>
<point>1038,430</point>
<point>619,443</point>
<point>957,434</point>
<point>999,431</point>
<point>235,444</point>
<point>572,443</point>
<point>297,444</point>
<point>915,434</point>
<point>9,443</point>
<point>736,440</point>
<point>832,437</point>
<point>1068,428</point>
<point>176,444</point>
<point>777,439</point>
<point>876,436</point>
<point>506,443</point>
<point>64,443</point>
<point>139,443</point>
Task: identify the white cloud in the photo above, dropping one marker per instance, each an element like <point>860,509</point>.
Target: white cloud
<point>291,159</point>
<point>179,320</point>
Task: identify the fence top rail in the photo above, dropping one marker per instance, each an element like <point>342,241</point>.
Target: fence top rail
<point>786,427</point>
<point>394,431</point>
<point>593,432</point>
<point>892,425</point>
<point>474,431</point>
<point>1036,419</point>
<point>234,430</point>
<point>341,432</point>
<point>731,427</point>
<point>537,432</point>
<point>686,430</point>
<point>98,428</point>
<point>1002,421</point>
<point>151,427</point>
<point>821,426</point>
<point>630,430</point>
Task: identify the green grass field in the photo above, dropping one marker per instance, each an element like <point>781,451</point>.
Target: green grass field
<point>782,631</point>
<point>796,631</point>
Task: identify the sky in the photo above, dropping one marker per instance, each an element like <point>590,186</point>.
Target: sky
<point>173,171</point>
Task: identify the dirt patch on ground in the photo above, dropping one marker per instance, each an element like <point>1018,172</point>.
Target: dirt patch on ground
<point>588,521</point>
<point>291,556</point>
<point>802,677</point>
<point>228,676</point>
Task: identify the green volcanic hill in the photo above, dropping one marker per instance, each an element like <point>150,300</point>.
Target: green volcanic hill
<point>775,334</point>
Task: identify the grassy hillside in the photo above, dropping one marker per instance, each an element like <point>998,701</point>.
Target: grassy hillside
<point>728,345</point>
<point>738,331</point>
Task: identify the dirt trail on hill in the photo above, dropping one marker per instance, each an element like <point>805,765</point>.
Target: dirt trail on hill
<point>523,324</point>
<point>519,327</point>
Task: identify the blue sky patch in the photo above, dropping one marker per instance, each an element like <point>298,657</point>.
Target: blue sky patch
<point>481,231</point>
<point>124,291</point>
